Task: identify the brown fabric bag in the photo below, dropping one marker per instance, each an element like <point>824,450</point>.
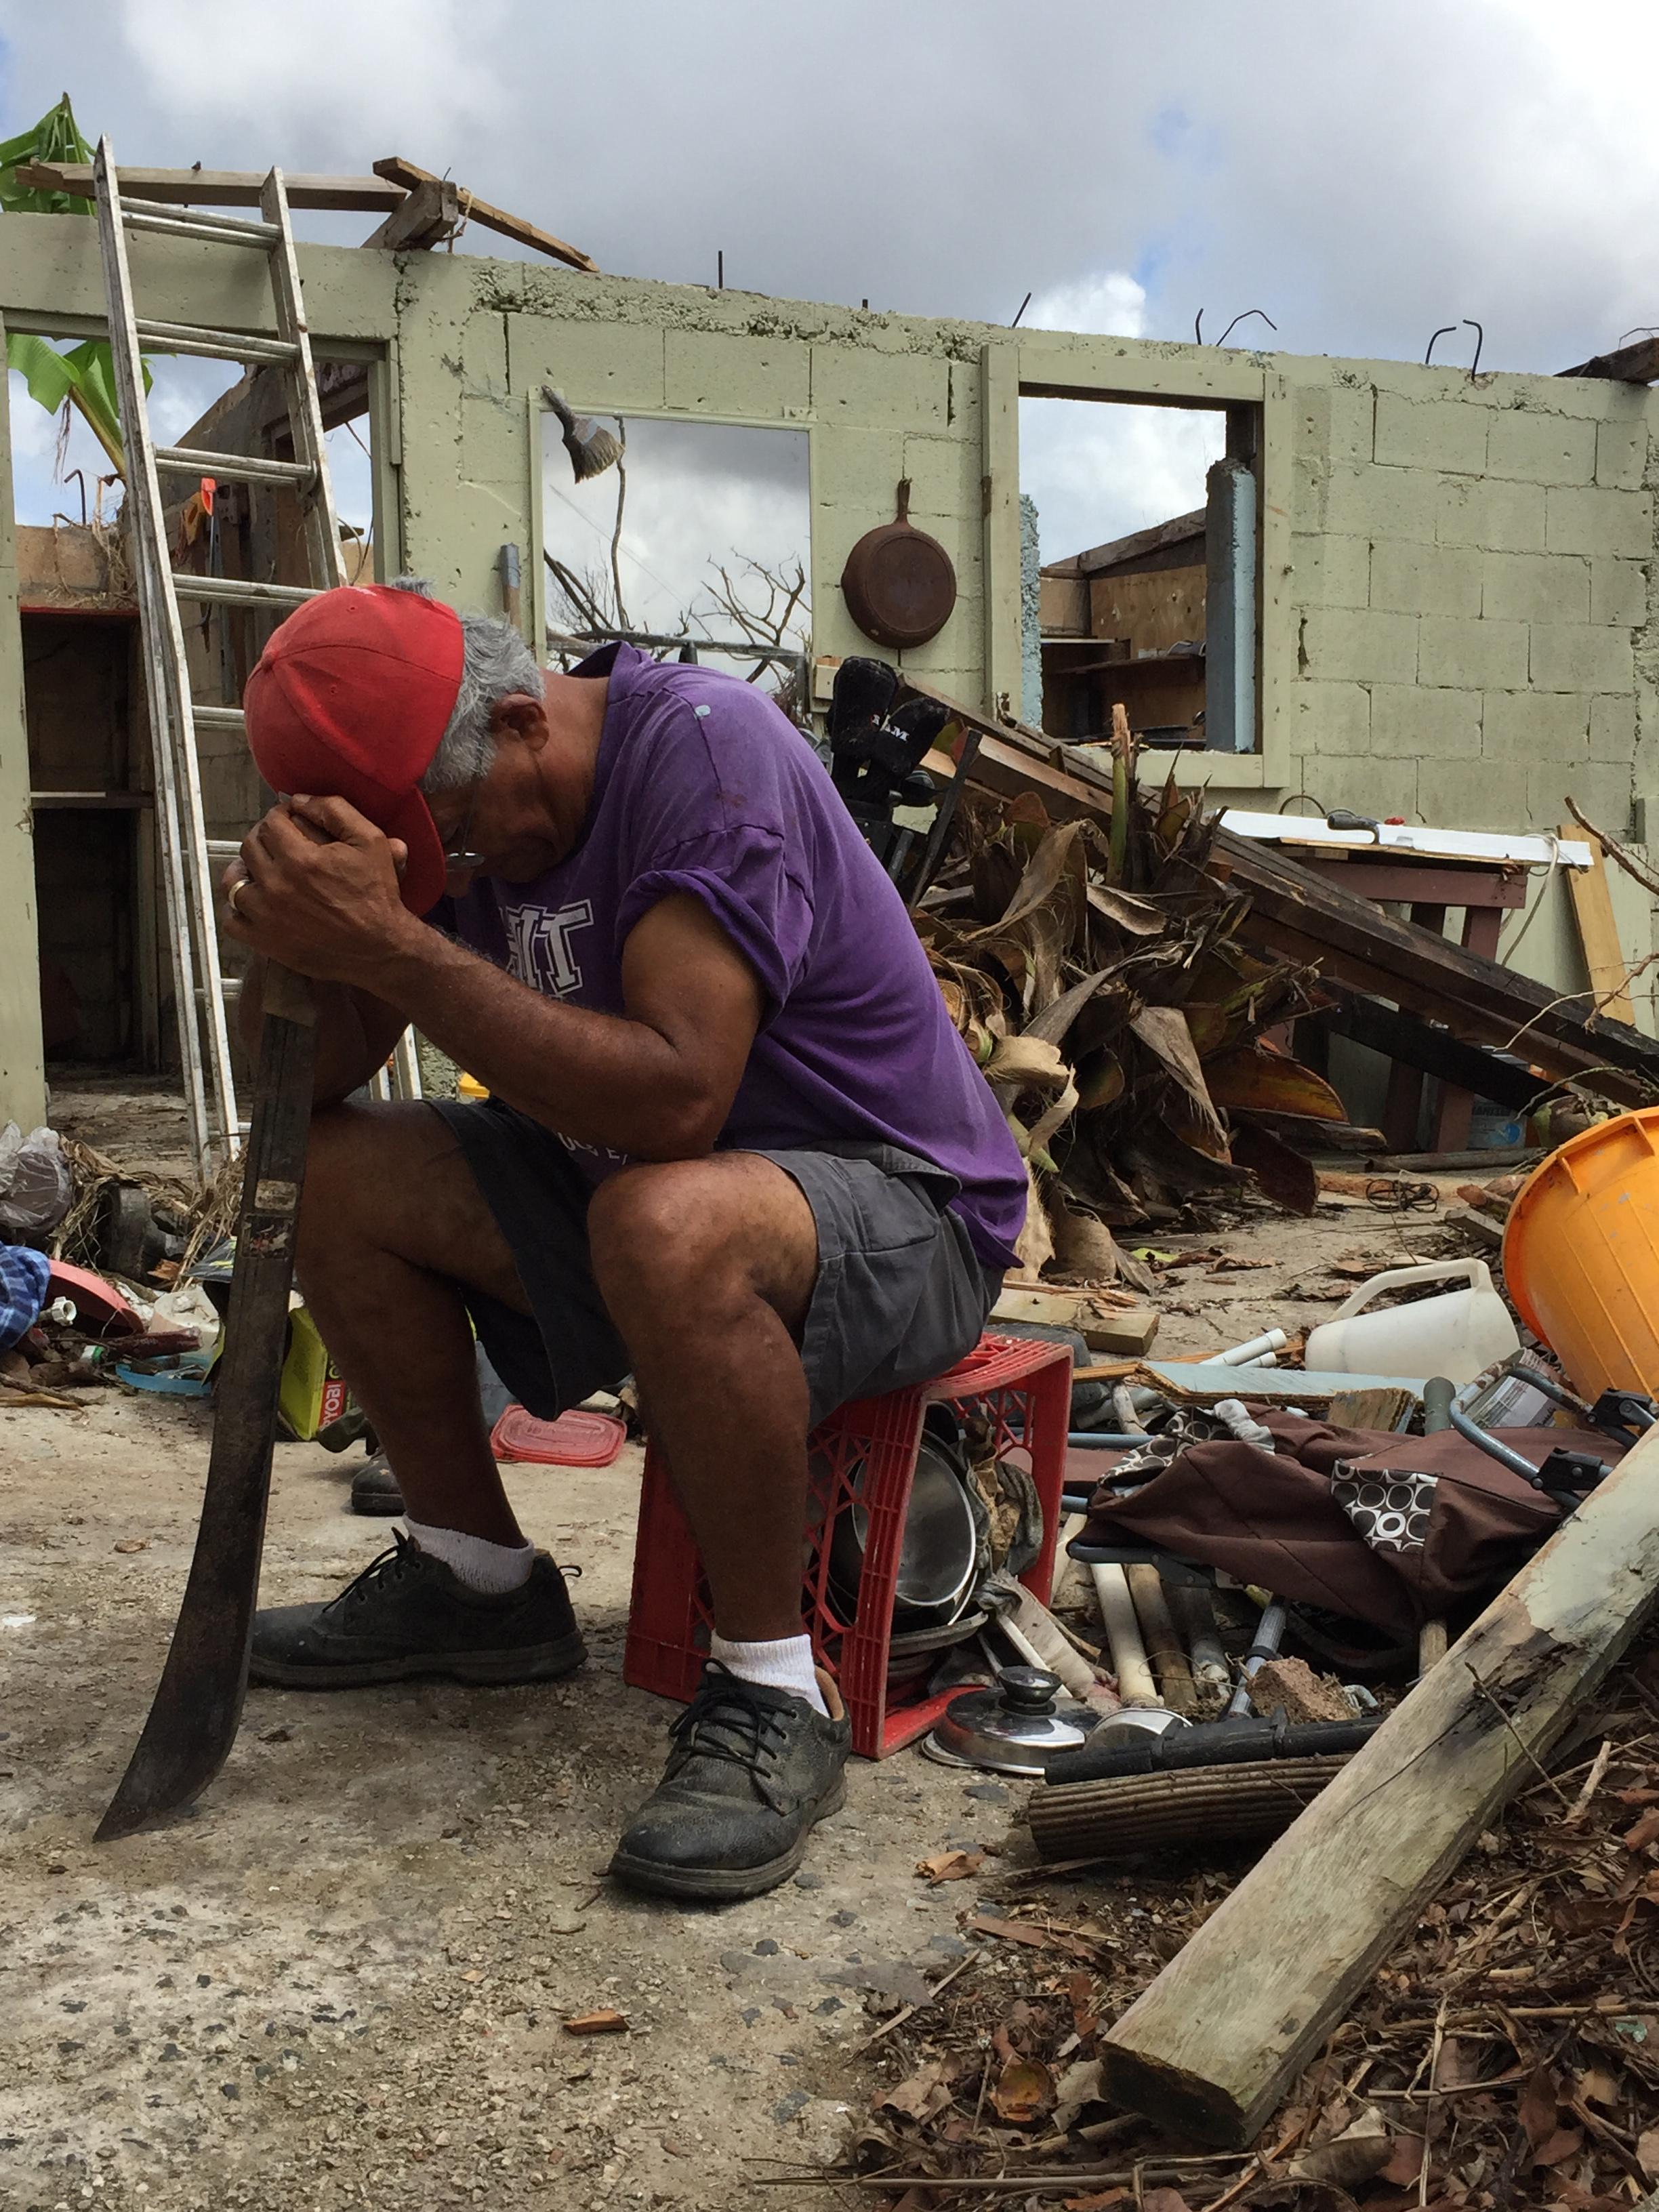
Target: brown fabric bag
<point>1278,1519</point>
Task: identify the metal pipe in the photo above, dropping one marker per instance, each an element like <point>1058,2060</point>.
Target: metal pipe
<point>1269,1635</point>
<point>1092,1439</point>
<point>1512,1460</point>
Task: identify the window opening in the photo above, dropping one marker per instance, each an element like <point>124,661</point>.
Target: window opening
<point>1147,529</point>
<point>697,541</point>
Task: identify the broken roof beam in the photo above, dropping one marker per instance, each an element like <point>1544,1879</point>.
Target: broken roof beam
<point>473,210</point>
<point>1631,364</point>
<point>1303,914</point>
<point>218,187</point>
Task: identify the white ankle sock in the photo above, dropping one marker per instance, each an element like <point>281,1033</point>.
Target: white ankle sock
<point>490,1569</point>
<point>784,1662</point>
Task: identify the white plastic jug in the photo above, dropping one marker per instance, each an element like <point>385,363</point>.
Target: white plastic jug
<point>1456,1335</point>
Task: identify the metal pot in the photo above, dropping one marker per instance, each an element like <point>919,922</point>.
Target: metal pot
<point>1014,1729</point>
<point>898,583</point>
<point>938,1551</point>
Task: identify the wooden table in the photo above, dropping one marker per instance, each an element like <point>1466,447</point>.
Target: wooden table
<point>1429,890</point>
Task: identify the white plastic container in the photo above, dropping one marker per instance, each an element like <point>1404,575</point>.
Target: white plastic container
<point>1457,1335</point>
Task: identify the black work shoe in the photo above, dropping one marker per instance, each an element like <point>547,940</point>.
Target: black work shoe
<point>752,1771</point>
<point>408,1613</point>
<point>375,1487</point>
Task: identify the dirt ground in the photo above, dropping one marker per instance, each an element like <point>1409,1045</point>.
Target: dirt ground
<point>344,1978</point>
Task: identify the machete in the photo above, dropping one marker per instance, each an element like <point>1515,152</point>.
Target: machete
<point>198,1703</point>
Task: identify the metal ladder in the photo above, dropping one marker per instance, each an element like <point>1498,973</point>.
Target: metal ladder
<point>188,857</point>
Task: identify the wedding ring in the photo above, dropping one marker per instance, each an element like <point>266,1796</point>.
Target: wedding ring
<point>231,896</point>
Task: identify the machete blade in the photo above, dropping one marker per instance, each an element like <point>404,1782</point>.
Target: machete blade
<point>198,1703</point>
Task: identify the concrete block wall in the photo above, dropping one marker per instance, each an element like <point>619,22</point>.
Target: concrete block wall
<point>1472,575</point>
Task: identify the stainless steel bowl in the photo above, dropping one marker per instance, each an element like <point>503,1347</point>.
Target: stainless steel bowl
<point>938,1552</point>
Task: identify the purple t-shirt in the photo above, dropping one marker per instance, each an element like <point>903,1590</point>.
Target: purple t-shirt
<point>702,785</point>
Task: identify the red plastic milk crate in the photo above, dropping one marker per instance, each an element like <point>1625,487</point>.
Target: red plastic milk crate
<point>865,1451</point>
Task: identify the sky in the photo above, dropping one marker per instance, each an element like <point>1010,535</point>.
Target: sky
<point>1362,174</point>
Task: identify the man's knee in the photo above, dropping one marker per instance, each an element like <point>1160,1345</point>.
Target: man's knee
<point>659,1224</point>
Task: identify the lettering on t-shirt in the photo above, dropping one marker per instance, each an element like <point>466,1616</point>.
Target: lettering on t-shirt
<point>539,949</point>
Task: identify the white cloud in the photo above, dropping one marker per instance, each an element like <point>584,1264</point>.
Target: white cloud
<point>1110,303</point>
<point>399,71</point>
<point>1099,470</point>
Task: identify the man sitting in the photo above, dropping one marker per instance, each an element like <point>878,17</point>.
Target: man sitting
<point>733,1146</point>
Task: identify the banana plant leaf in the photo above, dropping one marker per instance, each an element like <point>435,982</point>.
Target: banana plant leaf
<point>1255,1080</point>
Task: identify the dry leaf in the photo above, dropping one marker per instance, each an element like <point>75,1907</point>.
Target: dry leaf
<point>1647,2153</point>
<point>596,2023</point>
<point>1404,2162</point>
<point>1646,1832</point>
<point>1538,2105</point>
<point>923,2096</point>
<point>1597,2086</point>
<point>1023,2089</point>
<point>1164,2200</point>
<point>1358,2154</point>
<point>951,1866</point>
<point>1099,2203</point>
<point>1564,2143</point>
<point>133,1543</point>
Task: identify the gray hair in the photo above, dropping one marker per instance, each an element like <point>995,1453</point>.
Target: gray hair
<point>497,664</point>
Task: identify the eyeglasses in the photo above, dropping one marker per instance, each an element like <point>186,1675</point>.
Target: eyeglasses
<point>457,854</point>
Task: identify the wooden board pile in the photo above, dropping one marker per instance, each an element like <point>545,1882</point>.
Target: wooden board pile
<point>1504,2056</point>
<point>1099,976</point>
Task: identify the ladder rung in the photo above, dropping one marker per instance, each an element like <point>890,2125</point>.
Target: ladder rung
<point>230,986</point>
<point>249,468</point>
<point>216,345</point>
<point>217,718</point>
<point>233,230</point>
<point>233,592</point>
<point>224,848</point>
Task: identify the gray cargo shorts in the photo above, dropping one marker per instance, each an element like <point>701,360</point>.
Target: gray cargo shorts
<point>901,1295</point>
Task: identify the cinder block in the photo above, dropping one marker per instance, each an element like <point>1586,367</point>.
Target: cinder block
<point>1578,657</point>
<point>1359,645</point>
<point>1328,572</point>
<point>1619,593</point>
<point>1458,794</point>
<point>1547,449</point>
<point>859,468</point>
<point>1484,655</point>
<point>1330,719</point>
<point>600,367</point>
<point>1601,789</point>
<point>1591,521</point>
<point>1336,423</point>
<point>1507,518</point>
<point>911,390</point>
<point>708,371</point>
<point>1622,449</point>
<point>944,475</point>
<point>1369,785</point>
<point>1536,587</point>
<point>1381,504</point>
<point>1420,580</point>
<point>1431,433</point>
<point>493,440</point>
<point>1310,495</point>
<point>1612,729</point>
<point>1411,721</point>
<point>1521,726</point>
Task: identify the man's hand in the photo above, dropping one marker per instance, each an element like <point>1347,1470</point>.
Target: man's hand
<point>316,888</point>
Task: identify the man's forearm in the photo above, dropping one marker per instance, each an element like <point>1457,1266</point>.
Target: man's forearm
<point>598,1078</point>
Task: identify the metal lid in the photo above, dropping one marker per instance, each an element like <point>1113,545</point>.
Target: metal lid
<point>1015,1728</point>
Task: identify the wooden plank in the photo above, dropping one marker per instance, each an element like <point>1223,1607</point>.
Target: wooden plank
<point>1598,935</point>
<point>1400,882</point>
<point>431,214</point>
<point>473,210</point>
<point>1436,1052</point>
<point>217,187</point>
<point>1631,364</point>
<point>1210,2049</point>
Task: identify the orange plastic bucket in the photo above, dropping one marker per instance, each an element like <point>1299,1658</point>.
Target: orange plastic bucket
<point>1581,1255</point>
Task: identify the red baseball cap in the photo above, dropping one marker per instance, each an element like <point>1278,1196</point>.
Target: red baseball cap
<point>349,699</point>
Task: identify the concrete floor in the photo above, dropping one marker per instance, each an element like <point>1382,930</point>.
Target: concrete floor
<point>344,1978</point>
